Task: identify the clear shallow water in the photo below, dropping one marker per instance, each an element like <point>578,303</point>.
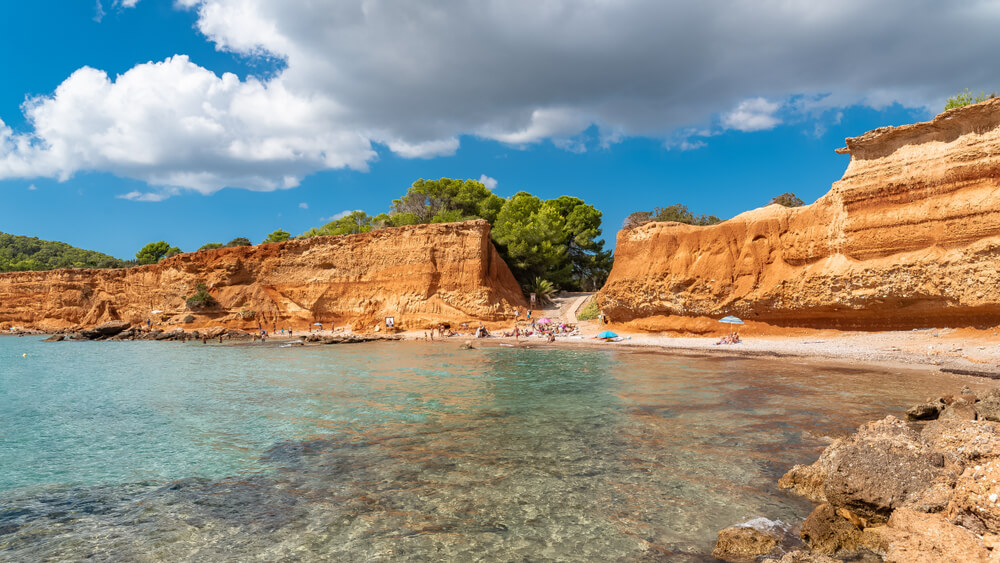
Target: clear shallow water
<point>406,451</point>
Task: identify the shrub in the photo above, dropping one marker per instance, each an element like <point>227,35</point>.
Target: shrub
<point>202,299</point>
<point>239,241</point>
<point>788,199</point>
<point>210,246</point>
<point>590,311</point>
<point>247,315</point>
<point>189,318</point>
<point>677,213</point>
<point>542,288</point>
<point>967,98</point>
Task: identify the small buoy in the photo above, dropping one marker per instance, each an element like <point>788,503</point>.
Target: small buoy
<point>24,355</point>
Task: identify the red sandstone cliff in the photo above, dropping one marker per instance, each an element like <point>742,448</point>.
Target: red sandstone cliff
<point>909,237</point>
<point>420,274</point>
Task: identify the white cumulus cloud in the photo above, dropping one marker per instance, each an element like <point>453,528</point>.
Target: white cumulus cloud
<point>490,183</point>
<point>340,215</point>
<point>755,114</point>
<point>303,205</point>
<point>417,76</point>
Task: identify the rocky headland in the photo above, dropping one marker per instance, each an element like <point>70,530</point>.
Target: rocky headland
<point>420,275</point>
<point>927,490</point>
<point>908,238</point>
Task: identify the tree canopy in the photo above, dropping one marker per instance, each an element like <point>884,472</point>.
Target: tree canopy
<point>557,240</point>
<point>20,253</point>
<point>239,241</point>
<point>788,199</point>
<point>353,223</point>
<point>210,246</point>
<point>155,251</point>
<point>277,236</point>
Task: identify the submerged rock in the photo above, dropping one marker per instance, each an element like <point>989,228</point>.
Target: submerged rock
<point>799,556</point>
<point>749,540</point>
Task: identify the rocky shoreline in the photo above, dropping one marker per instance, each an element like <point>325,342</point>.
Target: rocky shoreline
<point>122,331</point>
<point>926,490</point>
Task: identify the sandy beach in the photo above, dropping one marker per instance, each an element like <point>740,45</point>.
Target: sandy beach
<point>964,351</point>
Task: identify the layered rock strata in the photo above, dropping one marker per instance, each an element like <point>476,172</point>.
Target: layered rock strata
<point>909,237</point>
<point>419,275</point>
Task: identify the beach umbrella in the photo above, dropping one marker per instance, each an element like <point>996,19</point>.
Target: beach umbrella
<point>544,320</point>
<point>607,334</point>
<point>156,312</point>
<point>317,324</point>
<point>731,321</point>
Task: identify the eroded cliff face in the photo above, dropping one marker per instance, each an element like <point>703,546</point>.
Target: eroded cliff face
<point>909,237</point>
<point>420,275</point>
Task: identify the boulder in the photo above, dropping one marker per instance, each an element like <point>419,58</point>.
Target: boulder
<point>808,480</point>
<point>90,334</point>
<point>826,531</point>
<point>988,406</point>
<point>959,409</point>
<point>975,502</point>
<point>112,328</point>
<point>55,338</point>
<point>747,541</point>
<point>918,537</point>
<point>926,411</point>
<point>874,471</point>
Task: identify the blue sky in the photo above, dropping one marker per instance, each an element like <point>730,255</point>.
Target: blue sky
<point>341,106</point>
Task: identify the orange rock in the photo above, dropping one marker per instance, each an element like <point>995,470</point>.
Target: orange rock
<point>419,275</point>
<point>909,237</point>
<point>917,537</point>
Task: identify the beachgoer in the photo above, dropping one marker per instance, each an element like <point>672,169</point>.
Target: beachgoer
<point>529,315</point>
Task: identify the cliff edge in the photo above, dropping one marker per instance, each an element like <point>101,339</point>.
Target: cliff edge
<point>908,238</point>
<point>420,275</point>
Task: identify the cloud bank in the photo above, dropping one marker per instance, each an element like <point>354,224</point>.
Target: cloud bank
<point>416,76</point>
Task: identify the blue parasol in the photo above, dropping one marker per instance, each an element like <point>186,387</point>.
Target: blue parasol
<point>607,334</point>
<point>731,321</point>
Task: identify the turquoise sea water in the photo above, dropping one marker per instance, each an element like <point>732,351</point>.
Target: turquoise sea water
<point>406,451</point>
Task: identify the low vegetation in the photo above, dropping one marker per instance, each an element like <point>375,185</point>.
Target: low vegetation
<point>239,241</point>
<point>210,246</point>
<point>589,312</point>
<point>202,299</point>
<point>21,253</point>
<point>677,213</point>
<point>966,98</point>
